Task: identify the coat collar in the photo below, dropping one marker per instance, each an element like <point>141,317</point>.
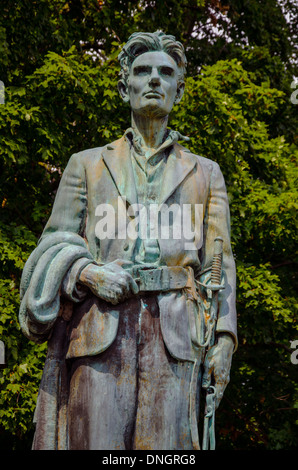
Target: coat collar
<point>179,164</point>
<point>117,158</point>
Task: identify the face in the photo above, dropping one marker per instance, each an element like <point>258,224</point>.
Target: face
<point>153,84</point>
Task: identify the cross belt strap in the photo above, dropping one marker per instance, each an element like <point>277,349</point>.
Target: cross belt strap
<point>160,279</point>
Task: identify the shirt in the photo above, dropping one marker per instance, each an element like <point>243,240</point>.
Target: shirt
<point>148,168</point>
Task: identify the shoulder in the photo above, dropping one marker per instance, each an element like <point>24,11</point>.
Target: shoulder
<point>94,154</point>
<point>206,168</point>
<point>86,155</point>
<point>205,163</point>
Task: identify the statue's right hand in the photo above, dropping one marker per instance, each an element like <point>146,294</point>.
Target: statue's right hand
<point>110,282</point>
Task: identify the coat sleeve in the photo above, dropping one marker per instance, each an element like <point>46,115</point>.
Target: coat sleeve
<point>217,224</point>
<point>69,214</point>
<point>53,268</point>
<point>70,207</point>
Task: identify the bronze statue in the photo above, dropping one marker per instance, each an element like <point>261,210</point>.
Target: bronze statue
<point>137,318</point>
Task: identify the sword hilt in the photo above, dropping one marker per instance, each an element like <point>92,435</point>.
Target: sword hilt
<point>217,261</point>
<point>215,285</point>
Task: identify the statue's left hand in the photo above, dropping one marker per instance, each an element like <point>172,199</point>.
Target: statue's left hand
<point>218,364</point>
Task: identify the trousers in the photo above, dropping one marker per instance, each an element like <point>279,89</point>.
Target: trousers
<point>134,395</point>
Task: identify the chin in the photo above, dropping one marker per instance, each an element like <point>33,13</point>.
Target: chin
<point>152,110</point>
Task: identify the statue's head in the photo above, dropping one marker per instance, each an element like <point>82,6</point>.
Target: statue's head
<point>153,67</point>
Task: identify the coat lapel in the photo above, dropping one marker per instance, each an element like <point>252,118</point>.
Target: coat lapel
<point>117,159</point>
<point>179,164</point>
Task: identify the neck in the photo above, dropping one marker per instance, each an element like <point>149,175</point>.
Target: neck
<point>151,129</point>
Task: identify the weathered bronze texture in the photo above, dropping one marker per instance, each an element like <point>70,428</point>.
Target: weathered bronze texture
<point>136,325</point>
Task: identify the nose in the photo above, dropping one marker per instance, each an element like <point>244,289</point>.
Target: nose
<point>154,78</point>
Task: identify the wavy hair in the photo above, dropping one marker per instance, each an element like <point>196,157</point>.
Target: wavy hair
<point>139,43</point>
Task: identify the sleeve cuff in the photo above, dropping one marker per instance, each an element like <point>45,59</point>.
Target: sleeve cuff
<point>70,287</point>
<point>232,334</point>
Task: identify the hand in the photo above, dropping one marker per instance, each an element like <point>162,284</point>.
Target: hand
<point>110,282</point>
<point>218,364</point>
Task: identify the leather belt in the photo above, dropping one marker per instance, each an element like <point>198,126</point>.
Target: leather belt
<point>160,279</point>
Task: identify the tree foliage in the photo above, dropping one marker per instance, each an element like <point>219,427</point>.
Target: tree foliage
<point>60,70</point>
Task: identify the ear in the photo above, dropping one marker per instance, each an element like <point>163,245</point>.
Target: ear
<point>122,88</point>
<point>180,91</point>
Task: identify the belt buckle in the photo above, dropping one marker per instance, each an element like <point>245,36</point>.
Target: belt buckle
<point>153,279</point>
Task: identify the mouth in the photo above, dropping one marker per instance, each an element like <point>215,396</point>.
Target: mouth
<point>153,94</point>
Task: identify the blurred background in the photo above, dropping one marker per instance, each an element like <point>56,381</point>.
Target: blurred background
<point>59,69</point>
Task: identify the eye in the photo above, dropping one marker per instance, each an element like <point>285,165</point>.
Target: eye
<point>167,71</point>
<point>141,70</point>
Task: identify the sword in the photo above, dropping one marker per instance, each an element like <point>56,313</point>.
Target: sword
<point>212,293</point>
<point>209,420</point>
